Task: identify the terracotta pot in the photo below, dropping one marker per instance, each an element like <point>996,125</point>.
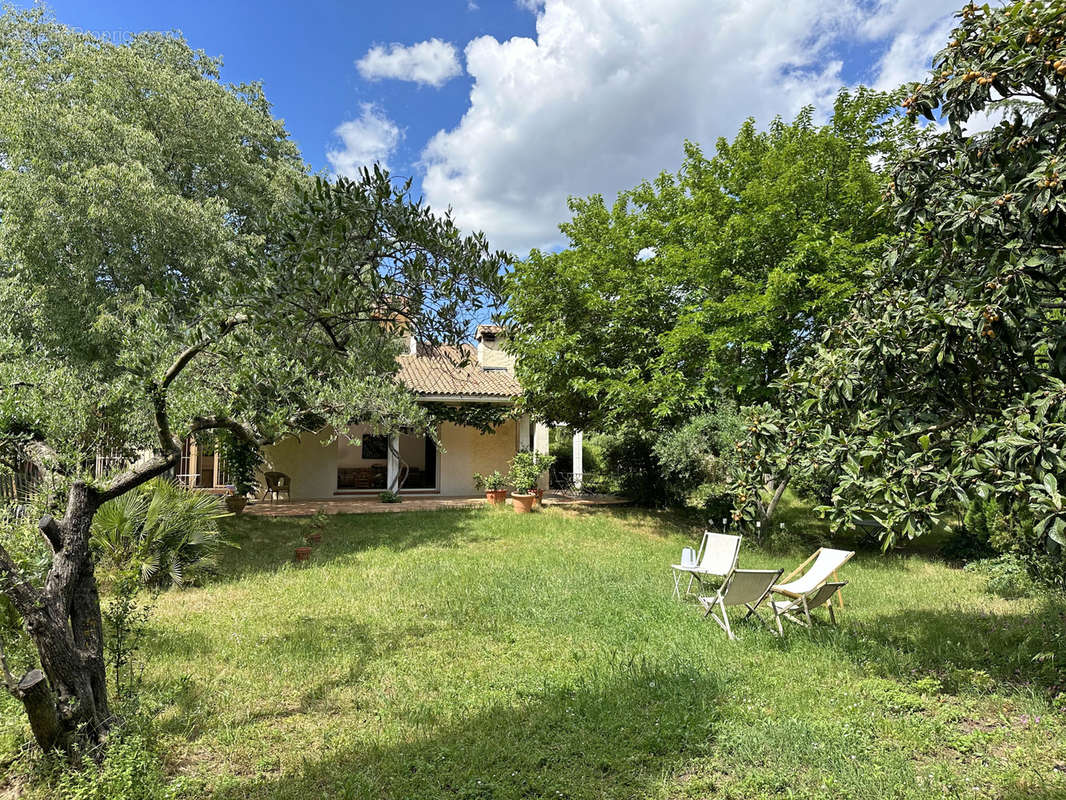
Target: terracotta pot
<point>496,497</point>
<point>303,553</point>
<point>538,497</point>
<point>523,503</point>
<point>314,538</point>
<point>235,503</point>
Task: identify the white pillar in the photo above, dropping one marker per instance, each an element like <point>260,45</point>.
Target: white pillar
<point>541,446</point>
<point>392,479</point>
<point>523,432</point>
<point>579,466</point>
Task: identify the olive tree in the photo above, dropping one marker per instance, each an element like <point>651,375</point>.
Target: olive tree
<point>168,268</point>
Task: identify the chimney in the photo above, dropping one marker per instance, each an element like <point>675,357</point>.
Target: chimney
<point>490,352</point>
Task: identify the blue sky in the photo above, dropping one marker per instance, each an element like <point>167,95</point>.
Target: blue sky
<point>502,109</point>
<point>305,53</point>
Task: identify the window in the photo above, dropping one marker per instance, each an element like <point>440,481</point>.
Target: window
<point>375,447</point>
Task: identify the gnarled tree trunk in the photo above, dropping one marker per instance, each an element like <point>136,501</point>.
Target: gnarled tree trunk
<point>65,624</point>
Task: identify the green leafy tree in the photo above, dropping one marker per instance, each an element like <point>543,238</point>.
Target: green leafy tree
<point>706,283</point>
<point>947,381</point>
<point>167,268</point>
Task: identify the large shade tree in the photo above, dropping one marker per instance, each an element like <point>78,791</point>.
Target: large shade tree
<point>167,268</point>
<point>708,282</point>
<point>947,381</point>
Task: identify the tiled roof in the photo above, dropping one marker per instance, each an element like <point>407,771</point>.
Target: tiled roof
<point>437,371</point>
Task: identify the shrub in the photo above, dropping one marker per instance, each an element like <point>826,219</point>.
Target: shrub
<point>990,529</point>
<point>125,617</point>
<point>1008,575</point>
<point>167,533</point>
<point>630,459</point>
<point>970,541</point>
<point>389,497</point>
<point>490,483</point>
<point>526,469</point>
<point>242,459</point>
<point>698,458</point>
<point>131,768</point>
<point>815,486</point>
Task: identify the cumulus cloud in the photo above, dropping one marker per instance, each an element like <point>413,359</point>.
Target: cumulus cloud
<point>370,139</point>
<point>433,63</point>
<point>605,93</point>
<point>915,30</point>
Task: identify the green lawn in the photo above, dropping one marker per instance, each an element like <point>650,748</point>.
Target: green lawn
<point>480,654</point>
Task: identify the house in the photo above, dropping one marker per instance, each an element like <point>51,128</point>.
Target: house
<point>361,463</point>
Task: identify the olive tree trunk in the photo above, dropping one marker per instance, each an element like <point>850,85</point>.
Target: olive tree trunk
<point>63,619</point>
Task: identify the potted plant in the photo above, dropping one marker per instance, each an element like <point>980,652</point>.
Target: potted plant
<point>303,553</point>
<point>526,469</point>
<point>317,524</point>
<point>493,487</point>
<point>234,500</point>
<point>389,497</point>
<point>242,459</point>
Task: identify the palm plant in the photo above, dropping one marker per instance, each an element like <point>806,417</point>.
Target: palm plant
<point>167,533</point>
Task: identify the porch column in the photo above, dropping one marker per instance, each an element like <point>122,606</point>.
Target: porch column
<point>540,446</point>
<point>392,479</point>
<point>579,466</point>
<point>523,433</point>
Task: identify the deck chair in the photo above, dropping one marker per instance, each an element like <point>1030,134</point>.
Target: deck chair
<point>743,587</point>
<point>826,562</point>
<point>791,609</point>
<point>717,557</point>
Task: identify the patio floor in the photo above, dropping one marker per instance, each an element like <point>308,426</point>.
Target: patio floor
<point>371,504</point>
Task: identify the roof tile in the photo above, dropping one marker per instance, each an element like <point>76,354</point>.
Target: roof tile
<point>438,371</point>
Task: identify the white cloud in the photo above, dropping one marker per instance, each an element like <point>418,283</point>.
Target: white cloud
<point>434,62</point>
<point>365,141</point>
<point>916,30</point>
<point>605,93</point>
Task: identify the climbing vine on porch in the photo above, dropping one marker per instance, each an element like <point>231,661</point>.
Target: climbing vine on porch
<point>485,417</point>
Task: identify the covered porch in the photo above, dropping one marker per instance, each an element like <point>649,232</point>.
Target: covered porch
<point>371,505</point>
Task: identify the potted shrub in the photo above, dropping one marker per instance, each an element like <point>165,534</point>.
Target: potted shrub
<point>234,500</point>
<point>493,487</point>
<point>526,469</point>
<point>303,553</point>
<point>242,459</point>
<point>317,524</point>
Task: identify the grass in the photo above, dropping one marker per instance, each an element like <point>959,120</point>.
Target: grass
<point>480,654</point>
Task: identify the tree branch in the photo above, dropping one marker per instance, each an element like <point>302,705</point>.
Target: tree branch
<point>141,472</point>
<point>189,353</point>
<point>246,432</point>
<point>50,530</point>
<point>44,458</point>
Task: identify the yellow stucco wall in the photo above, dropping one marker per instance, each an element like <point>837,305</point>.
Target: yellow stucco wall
<point>469,451</point>
<point>312,465</point>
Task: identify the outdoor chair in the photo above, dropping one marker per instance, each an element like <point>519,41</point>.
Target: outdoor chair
<point>277,484</point>
<point>826,562</point>
<point>792,608</point>
<point>717,557</point>
<point>743,587</point>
